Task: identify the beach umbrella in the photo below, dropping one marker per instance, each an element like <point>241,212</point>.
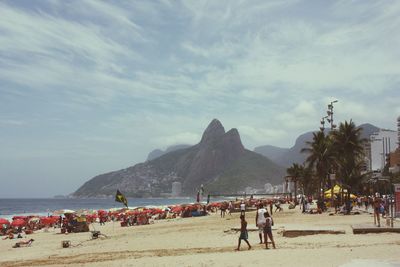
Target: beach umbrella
<point>18,223</point>
<point>34,219</point>
<point>4,221</point>
<point>63,211</point>
<point>20,217</point>
<point>47,220</point>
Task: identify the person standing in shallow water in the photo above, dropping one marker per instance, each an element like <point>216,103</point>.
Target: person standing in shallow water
<point>268,230</point>
<point>243,232</point>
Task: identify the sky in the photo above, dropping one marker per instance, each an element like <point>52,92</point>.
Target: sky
<point>88,87</point>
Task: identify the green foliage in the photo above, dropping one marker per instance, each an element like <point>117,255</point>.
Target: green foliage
<point>348,150</point>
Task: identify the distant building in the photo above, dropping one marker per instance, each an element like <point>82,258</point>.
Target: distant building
<point>382,142</point>
<point>398,132</point>
<point>176,189</point>
<point>394,163</point>
<point>249,190</point>
<point>268,188</point>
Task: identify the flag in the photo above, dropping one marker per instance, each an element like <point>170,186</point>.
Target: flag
<point>119,197</point>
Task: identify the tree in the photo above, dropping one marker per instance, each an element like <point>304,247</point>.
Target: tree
<point>320,154</point>
<point>295,172</point>
<point>349,155</point>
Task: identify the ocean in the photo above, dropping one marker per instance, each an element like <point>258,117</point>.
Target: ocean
<point>45,206</point>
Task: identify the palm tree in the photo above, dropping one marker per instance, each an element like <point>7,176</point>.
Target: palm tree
<point>320,154</point>
<point>348,155</point>
<point>295,172</point>
<point>307,180</point>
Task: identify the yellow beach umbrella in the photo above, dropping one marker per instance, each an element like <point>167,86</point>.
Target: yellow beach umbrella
<point>336,190</point>
<point>328,195</point>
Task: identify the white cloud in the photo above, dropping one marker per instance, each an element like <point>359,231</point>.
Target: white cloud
<point>124,78</point>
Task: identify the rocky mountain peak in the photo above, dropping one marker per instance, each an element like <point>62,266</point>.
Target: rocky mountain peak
<point>232,138</point>
<point>214,130</point>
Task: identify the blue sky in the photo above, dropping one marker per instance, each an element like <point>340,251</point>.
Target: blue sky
<point>88,87</point>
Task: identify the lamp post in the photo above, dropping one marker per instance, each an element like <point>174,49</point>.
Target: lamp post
<point>332,175</point>
<point>330,114</point>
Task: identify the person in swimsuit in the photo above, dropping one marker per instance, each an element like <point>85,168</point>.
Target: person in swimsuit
<point>243,232</point>
<point>268,230</point>
<point>377,204</point>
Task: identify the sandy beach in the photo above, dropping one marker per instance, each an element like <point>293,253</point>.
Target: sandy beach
<point>209,241</point>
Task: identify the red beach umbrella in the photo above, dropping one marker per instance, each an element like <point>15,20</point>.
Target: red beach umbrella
<point>20,218</point>
<point>47,220</point>
<point>176,209</point>
<point>18,223</point>
<point>4,221</point>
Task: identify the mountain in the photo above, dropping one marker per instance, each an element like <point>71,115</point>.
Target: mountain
<point>271,152</point>
<point>287,156</point>
<point>158,152</point>
<point>219,162</point>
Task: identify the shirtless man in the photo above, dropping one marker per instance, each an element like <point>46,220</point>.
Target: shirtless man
<point>243,232</point>
<point>260,221</point>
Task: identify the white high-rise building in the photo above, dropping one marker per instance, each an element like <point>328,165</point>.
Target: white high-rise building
<point>176,189</point>
<point>268,188</point>
<point>382,142</point>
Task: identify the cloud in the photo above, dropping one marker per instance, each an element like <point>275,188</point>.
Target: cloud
<point>122,78</point>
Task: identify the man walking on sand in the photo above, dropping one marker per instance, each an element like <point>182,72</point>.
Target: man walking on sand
<point>242,208</point>
<point>260,221</point>
<point>243,232</point>
<point>377,204</point>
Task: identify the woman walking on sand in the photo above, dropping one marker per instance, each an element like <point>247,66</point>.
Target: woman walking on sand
<point>268,230</point>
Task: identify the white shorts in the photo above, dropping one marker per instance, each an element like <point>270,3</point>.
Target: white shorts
<point>260,228</point>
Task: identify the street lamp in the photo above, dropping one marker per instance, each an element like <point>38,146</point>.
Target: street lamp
<point>322,128</point>
<point>332,175</point>
<point>330,114</point>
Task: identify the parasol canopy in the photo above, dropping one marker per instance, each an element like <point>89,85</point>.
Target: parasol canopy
<point>48,220</point>
<point>352,196</point>
<point>63,211</point>
<point>4,221</point>
<point>18,223</point>
<point>336,190</point>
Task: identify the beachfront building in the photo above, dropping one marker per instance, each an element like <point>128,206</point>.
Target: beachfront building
<point>382,142</point>
<point>398,132</point>
<point>176,189</point>
<point>394,161</point>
